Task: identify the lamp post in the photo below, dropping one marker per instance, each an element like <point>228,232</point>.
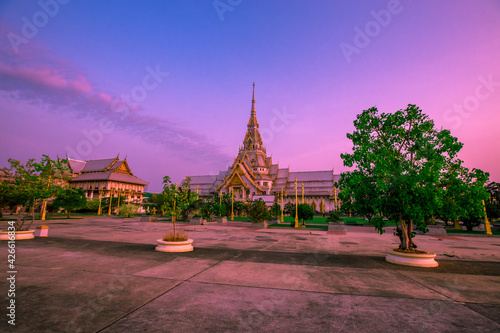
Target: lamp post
<point>110,200</point>
<point>296,206</point>
<point>175,213</point>
<point>100,199</point>
<point>118,206</point>
<point>335,191</point>
<point>282,220</point>
<point>302,192</point>
<point>232,206</point>
<point>220,205</point>
<point>487,225</point>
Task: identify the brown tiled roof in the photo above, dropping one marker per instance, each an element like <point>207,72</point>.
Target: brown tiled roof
<point>109,175</point>
<point>97,165</point>
<point>76,165</point>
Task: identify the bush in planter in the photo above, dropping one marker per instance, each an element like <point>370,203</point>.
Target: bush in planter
<point>175,237</point>
<point>334,216</point>
<point>275,211</point>
<point>128,210</point>
<point>219,210</point>
<point>259,211</point>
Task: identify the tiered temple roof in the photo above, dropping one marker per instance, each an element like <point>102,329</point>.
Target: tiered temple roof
<point>253,174</point>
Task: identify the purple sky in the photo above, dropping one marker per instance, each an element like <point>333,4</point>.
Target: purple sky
<point>168,83</point>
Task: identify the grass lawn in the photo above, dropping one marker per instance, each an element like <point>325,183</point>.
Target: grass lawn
<point>286,225</point>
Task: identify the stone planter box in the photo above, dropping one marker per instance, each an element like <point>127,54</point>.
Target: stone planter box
<point>409,259</point>
<point>20,235</point>
<point>197,221</point>
<point>221,219</point>
<point>260,225</point>
<point>42,231</point>
<point>332,226</point>
<point>183,246</point>
<point>149,219</point>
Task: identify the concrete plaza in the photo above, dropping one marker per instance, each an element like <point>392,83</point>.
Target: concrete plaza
<point>101,274</point>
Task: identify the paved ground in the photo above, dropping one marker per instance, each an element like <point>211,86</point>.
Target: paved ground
<point>103,275</point>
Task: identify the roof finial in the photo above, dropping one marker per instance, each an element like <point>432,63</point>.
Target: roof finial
<point>253,100</point>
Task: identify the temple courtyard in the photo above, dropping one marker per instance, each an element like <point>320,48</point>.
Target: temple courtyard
<point>102,274</point>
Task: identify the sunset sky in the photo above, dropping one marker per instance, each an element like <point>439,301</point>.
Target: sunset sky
<point>168,84</point>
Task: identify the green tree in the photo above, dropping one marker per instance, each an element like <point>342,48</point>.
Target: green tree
<point>35,182</point>
<point>158,200</point>
<point>289,209</point>
<point>408,161</point>
<point>305,212</point>
<point>259,211</point>
<point>493,203</point>
<point>362,187</point>
<point>177,198</point>
<point>70,199</point>
<point>275,211</point>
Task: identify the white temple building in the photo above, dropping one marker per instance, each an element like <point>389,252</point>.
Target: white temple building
<point>253,175</point>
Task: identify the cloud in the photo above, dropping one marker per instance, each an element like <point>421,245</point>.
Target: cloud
<point>36,76</point>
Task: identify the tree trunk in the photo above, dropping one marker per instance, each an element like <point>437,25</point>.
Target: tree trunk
<point>405,240</point>
<point>457,225</point>
<point>32,215</point>
<point>174,229</point>
<point>68,213</point>
<point>410,231</point>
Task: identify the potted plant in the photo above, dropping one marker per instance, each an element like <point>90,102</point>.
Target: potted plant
<point>259,214</point>
<point>409,171</point>
<point>176,198</point>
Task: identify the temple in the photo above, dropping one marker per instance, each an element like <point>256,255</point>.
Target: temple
<point>106,177</point>
<point>253,175</point>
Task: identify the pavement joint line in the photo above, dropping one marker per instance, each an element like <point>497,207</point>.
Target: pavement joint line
<point>139,307</point>
<point>465,305</point>
<point>423,285</point>
<point>332,293</point>
<point>153,299</point>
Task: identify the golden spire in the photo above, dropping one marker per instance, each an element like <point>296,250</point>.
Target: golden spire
<point>253,112</point>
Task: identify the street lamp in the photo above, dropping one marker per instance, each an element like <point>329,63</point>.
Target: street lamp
<point>232,206</point>
<point>100,199</point>
<point>296,206</point>
<point>110,200</point>
<point>282,205</point>
<point>487,225</point>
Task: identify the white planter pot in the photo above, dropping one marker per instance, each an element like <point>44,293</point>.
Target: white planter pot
<point>183,246</point>
<point>20,235</point>
<point>409,259</point>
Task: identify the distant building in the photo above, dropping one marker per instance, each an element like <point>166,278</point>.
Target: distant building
<point>106,177</point>
<point>253,175</point>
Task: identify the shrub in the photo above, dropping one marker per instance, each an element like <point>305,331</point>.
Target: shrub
<point>333,216</point>
<point>175,237</point>
<point>128,210</point>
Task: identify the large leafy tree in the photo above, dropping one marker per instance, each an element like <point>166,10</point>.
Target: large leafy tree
<point>408,165</point>
<point>70,199</point>
<point>259,211</point>
<point>177,198</point>
<point>35,182</point>
<point>305,212</point>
